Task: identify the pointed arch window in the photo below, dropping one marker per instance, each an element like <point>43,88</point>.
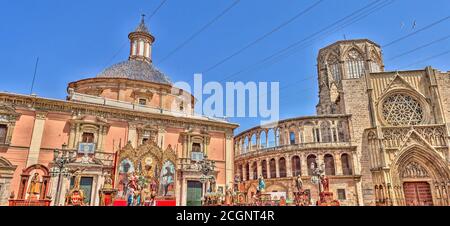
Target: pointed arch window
<point>334,68</point>
<point>354,64</point>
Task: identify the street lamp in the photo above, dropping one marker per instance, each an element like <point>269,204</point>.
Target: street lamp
<point>60,159</point>
<point>206,167</point>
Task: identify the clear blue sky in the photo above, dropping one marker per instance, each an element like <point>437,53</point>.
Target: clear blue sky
<point>78,39</point>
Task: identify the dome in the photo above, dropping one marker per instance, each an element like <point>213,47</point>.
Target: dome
<point>135,70</point>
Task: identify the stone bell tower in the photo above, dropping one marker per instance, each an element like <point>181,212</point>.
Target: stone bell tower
<point>141,43</point>
<point>344,61</point>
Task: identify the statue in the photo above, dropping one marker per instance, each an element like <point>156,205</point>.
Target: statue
<point>261,184</point>
<point>212,185</point>
<point>299,183</point>
<point>108,182</point>
<point>229,196</point>
<point>133,194</point>
<point>35,185</point>
<point>167,179</point>
<point>75,196</point>
<point>325,183</point>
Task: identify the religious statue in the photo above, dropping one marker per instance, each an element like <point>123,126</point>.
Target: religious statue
<point>35,185</point>
<point>167,179</point>
<point>325,183</point>
<point>261,184</point>
<point>133,194</point>
<point>212,185</point>
<point>229,197</point>
<point>75,196</point>
<point>236,183</point>
<point>108,182</point>
<point>299,183</point>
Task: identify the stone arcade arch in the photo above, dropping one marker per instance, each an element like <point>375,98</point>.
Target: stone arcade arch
<point>420,176</point>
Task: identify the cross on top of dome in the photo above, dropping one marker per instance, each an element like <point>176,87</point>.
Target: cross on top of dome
<point>142,27</point>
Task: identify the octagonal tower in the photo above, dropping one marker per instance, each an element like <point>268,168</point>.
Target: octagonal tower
<point>344,60</point>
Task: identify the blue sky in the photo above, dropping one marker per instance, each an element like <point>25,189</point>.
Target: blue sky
<point>78,39</point>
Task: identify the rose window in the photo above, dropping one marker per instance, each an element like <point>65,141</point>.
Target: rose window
<point>402,110</point>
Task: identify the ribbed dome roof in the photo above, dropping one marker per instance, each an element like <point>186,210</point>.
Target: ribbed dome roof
<point>135,70</point>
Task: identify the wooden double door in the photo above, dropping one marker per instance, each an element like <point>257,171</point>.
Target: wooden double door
<point>418,194</point>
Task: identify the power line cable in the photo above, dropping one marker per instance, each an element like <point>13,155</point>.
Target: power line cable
<point>279,27</point>
<point>419,48</point>
<point>352,20</point>
<point>427,59</point>
<point>312,36</point>
<point>416,32</point>
<point>206,26</point>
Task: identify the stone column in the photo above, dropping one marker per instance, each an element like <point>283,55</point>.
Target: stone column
<point>338,163</point>
<point>161,141</point>
<point>229,162</point>
<point>132,135</point>
<point>304,165</point>
<point>251,175</point>
<point>258,141</point>
<point>36,138</point>
<point>288,165</point>
<point>244,172</point>
<point>267,139</point>
<point>72,134</point>
<point>259,168</point>
<point>277,168</point>
<point>268,167</point>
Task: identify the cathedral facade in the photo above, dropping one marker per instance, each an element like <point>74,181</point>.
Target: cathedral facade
<point>127,131</point>
<point>382,138</point>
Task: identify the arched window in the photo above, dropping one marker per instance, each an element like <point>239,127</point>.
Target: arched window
<point>341,127</point>
<point>255,171</point>
<point>311,159</point>
<point>271,138</point>
<point>264,168</point>
<point>292,137</point>
<point>325,132</point>
<point>273,170</point>
<point>263,139</point>
<point>246,143</point>
<point>334,68</point>
<point>354,63</point>
<point>3,133</point>
<point>346,164</point>
<point>282,167</point>
<point>253,142</point>
<point>247,171</point>
<point>296,166</point>
<point>329,165</point>
<point>277,137</point>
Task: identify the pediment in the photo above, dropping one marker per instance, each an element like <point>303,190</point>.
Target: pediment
<point>400,83</point>
<point>415,139</point>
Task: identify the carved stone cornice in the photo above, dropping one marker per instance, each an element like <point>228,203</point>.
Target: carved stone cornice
<point>109,112</point>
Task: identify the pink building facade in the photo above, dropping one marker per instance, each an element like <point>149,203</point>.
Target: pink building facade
<point>128,120</point>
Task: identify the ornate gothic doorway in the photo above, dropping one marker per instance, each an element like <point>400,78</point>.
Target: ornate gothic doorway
<point>418,194</point>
